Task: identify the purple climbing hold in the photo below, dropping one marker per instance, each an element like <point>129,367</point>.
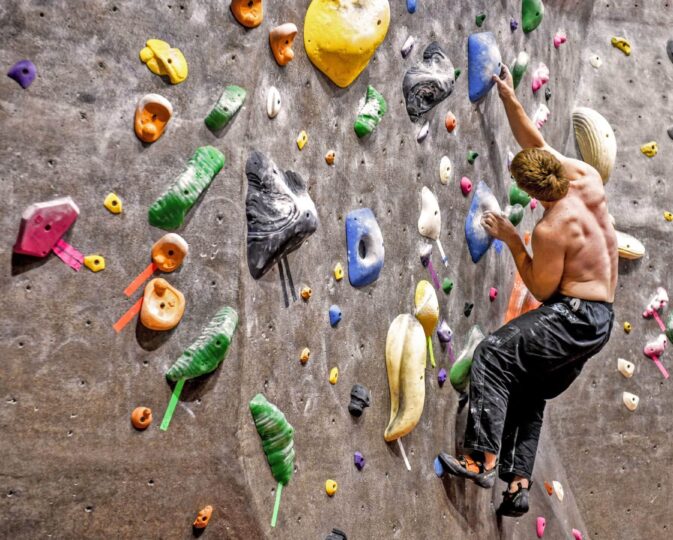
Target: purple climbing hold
<point>513,24</point>
<point>444,332</point>
<point>441,377</point>
<point>23,72</point>
<point>359,460</point>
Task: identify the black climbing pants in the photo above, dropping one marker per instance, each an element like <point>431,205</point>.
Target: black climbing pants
<point>514,371</point>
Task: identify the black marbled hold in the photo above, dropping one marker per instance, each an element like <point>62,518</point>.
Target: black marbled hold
<point>336,534</point>
<point>359,400</point>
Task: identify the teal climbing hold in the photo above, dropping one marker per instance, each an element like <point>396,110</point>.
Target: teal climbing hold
<point>371,113</point>
<point>483,62</point>
<point>532,12</point>
<point>472,156</point>
<point>479,19</point>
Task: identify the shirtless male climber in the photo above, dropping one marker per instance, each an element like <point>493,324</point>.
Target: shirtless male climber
<point>538,355</point>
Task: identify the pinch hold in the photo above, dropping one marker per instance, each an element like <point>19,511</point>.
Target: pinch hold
<point>447,285</point>
<point>163,306</point>
<point>532,12</point>
<point>622,44</point>
<point>371,113</point>
<point>423,132</point>
<point>519,67</point>
<point>541,115</point>
<point>472,156</point>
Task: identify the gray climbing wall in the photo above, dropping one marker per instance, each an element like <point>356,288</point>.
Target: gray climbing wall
<point>72,465</point>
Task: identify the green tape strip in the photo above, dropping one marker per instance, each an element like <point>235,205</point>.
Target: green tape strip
<point>276,505</point>
<point>432,354</point>
<point>175,397</point>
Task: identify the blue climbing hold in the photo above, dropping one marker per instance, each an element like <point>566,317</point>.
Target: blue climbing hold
<point>483,61</point>
<point>334,315</point>
<point>478,240</point>
<point>439,470</point>
<point>411,6</point>
<point>364,243</point>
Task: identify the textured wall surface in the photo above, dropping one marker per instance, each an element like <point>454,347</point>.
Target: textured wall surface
<point>73,467</point>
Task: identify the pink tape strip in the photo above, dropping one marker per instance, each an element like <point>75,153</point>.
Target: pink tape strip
<point>659,321</point>
<point>661,367</point>
<point>69,255</point>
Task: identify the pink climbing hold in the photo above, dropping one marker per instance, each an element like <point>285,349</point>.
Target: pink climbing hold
<point>465,185</point>
<point>560,38</point>
<point>533,204</point>
<point>654,349</point>
<point>541,524</point>
<point>43,224</point>
<point>540,76</point>
<point>493,293</point>
<point>577,534</point>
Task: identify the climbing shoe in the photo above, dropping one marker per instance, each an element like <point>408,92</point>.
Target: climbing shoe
<point>466,467</point>
<point>514,504</point>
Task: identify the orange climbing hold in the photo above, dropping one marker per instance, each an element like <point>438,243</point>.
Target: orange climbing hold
<point>203,517</point>
<point>281,39</point>
<point>248,12</point>
<point>141,417</point>
<point>520,300</point>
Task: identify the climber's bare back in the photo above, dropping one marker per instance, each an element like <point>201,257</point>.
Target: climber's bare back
<point>579,224</point>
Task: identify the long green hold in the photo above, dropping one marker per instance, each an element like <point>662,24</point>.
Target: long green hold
<point>226,107</point>
<point>532,12</point>
<point>371,113</point>
<point>209,350</point>
<point>277,437</point>
<point>460,371</point>
<point>170,209</point>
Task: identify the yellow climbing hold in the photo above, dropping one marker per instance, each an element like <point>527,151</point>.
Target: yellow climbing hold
<point>621,44</point>
<point>331,487</point>
<point>305,355</point>
<point>306,293</point>
<point>627,327</point>
<point>302,139</point>
<point>668,216</point>
<point>95,263</point>
<point>162,59</point>
<point>113,203</point>
<point>338,272</point>
<point>650,149</point>
<point>340,36</point>
<point>334,375</point>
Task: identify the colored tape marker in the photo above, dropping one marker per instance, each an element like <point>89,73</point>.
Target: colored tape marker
<point>140,279</point>
<point>128,316</point>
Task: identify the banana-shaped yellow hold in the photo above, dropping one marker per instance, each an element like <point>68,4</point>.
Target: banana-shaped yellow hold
<point>405,359</point>
<point>427,312</point>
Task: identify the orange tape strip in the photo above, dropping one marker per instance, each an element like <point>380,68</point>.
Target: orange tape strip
<point>128,316</point>
<point>140,279</point>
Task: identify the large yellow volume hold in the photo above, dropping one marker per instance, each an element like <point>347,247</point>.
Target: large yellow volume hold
<point>162,59</point>
<point>340,36</point>
<point>405,359</point>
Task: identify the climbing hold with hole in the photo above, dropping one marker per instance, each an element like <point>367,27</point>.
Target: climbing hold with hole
<point>341,36</point>
<point>596,140</point>
<point>629,247</point>
<point>650,149</point>
<point>164,60</point>
<point>210,348</point>
<point>450,122</point>
<point>478,240</point>
<point>519,67</point>
<point>595,60</point>
<point>513,24</point>
<point>429,82</point>
<point>441,377</point>
<point>479,19</point>
<point>371,113</point>
<point>279,211</point>
<point>331,487</point>
<point>360,398</point>
<point>447,285</point>
<point>492,293</point>
<point>203,517</point>
<point>630,401</point>
<point>338,272</point>
<point>625,367</point>
<point>305,293</point>
<point>95,263</point>
<point>170,209</point>
<point>225,109</point>
<point>465,185</point>
<point>23,72</point>
<point>483,63</point>
<point>281,39</point>
<point>426,310</point>
<point>163,306</point>
<point>541,115</point>
<point>658,302</point>
<point>445,170</point>
<point>405,360</point>
<point>460,371</point>
<point>423,132</point>
<point>532,12</point>
<point>334,375</point>
<point>518,196</point>
<point>411,6</point>
<point>472,156</point>
<point>330,156</point>
<point>113,203</point>
<point>627,327</point>
<point>169,251</point>
<point>273,102</point>
<point>302,139</point>
<point>560,38</point>
<point>514,213</point>
<point>305,355</point>
<point>248,13</point>
<point>334,315</point>
<point>408,45</point>
<point>622,44</point>
<point>359,461</point>
<point>365,250</point>
<point>152,115</point>
<point>540,525</point>
<point>43,224</point>
<point>540,76</point>
<point>467,309</point>
<point>668,216</point>
<point>141,417</point>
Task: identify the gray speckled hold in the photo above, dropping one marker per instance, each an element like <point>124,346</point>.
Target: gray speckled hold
<point>280,213</point>
<point>359,400</point>
<point>429,82</point>
<point>669,49</point>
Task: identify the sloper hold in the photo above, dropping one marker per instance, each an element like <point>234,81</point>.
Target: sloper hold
<point>164,60</point>
<point>341,36</point>
<point>629,247</point>
<point>483,61</point>
<point>430,219</point>
<point>445,170</point>
<point>405,360</point>
<point>277,437</point>
<point>279,211</point>
<point>273,102</point>
<point>460,371</point>
<point>364,244</point>
<point>210,348</point>
<point>428,83</point>
<point>532,12</point>
<point>478,240</point>
<point>518,195</point>
<point>519,67</point>
<point>596,140</point>
<point>169,210</point>
<point>227,106</point>
<point>43,224</point>
<point>371,113</point>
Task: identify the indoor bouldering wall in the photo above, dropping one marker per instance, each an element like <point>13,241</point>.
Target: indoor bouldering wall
<point>73,466</point>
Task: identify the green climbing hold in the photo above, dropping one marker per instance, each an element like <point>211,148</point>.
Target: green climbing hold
<point>460,371</point>
<point>456,73</point>
<point>479,19</point>
<point>226,107</point>
<point>209,350</point>
<point>169,210</point>
<point>669,327</point>
<point>370,113</point>
<point>277,437</point>
<point>514,214</point>
<point>471,156</point>
<point>519,68</point>
<point>518,196</point>
<point>447,285</point>
<point>532,12</point>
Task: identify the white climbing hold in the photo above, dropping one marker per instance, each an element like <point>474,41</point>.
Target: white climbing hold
<point>629,247</point>
<point>630,401</point>
<point>596,140</point>
<point>541,115</point>
<point>272,102</point>
<point>408,45</point>
<point>423,132</point>
<point>558,489</point>
<point>625,367</point>
<point>430,220</point>
<point>445,170</point>
<point>595,60</point>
